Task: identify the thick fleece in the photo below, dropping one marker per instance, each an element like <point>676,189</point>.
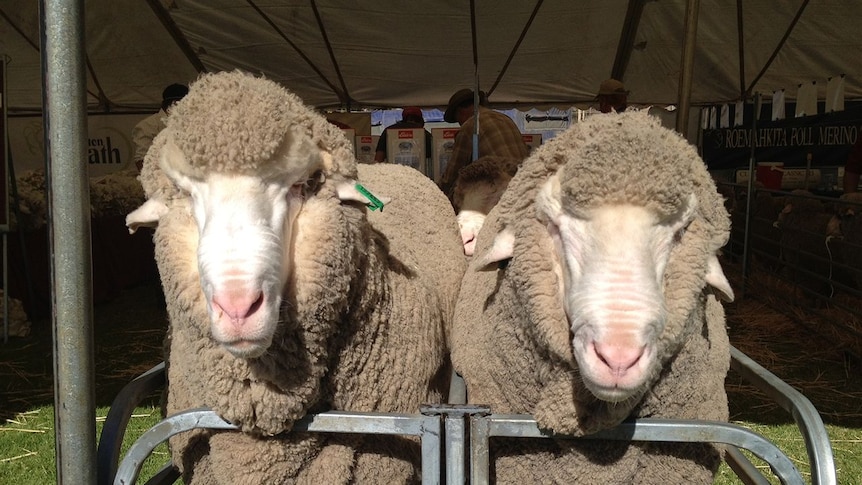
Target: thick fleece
<point>364,311</point>
<point>512,341</point>
<point>481,183</point>
<point>478,188</point>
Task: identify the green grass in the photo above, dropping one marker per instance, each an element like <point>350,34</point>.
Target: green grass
<point>27,444</point>
<point>846,448</point>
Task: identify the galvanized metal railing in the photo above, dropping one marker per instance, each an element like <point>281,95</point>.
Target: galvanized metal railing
<point>456,437</point>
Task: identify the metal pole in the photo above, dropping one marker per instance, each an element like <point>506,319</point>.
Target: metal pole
<point>687,65</point>
<point>749,197</point>
<point>5,224</point>
<point>65,118</point>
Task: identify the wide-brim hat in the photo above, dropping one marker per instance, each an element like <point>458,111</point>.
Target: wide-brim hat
<point>459,98</point>
<point>609,87</point>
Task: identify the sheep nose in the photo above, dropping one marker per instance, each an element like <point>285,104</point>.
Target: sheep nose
<point>238,306</point>
<point>619,359</point>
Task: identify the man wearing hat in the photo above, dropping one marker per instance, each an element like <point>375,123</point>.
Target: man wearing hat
<point>612,96</point>
<point>411,117</point>
<point>498,135</point>
<point>147,129</point>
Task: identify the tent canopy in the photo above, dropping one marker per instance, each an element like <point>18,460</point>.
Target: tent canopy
<point>355,54</point>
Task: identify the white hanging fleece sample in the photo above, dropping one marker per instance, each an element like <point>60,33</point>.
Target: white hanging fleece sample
<point>806,99</point>
<point>835,94</point>
<point>778,105</point>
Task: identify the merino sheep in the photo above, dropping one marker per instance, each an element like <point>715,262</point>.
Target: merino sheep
<point>807,229</point>
<point>478,188</point>
<point>849,221</point>
<point>593,308</point>
<point>286,295</point>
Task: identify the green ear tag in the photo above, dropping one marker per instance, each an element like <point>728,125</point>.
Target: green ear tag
<point>374,203</point>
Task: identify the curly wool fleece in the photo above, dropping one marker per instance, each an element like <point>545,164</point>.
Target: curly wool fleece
<point>511,337</point>
<point>248,121</point>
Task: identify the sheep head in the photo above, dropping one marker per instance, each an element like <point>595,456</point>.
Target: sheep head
<point>477,190</point>
<point>633,223</point>
<point>248,154</point>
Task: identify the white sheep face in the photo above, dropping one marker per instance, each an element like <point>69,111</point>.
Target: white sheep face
<point>245,232</point>
<point>612,263</point>
<point>470,223</point>
<point>474,202</point>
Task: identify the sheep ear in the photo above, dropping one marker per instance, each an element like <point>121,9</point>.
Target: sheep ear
<point>548,204</point>
<point>351,190</point>
<point>715,278</point>
<point>147,215</point>
<point>501,250</point>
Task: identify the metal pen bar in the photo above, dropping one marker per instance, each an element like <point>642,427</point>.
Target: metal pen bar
<point>111,438</point>
<point>807,418</point>
<point>652,429</point>
<point>742,466</point>
<point>428,428</point>
<point>130,467</point>
<point>455,424</point>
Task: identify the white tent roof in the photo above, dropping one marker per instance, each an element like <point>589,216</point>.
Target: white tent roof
<point>355,54</point>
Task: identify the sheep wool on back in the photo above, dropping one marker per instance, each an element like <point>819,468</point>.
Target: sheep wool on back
<point>519,327</point>
<point>365,304</point>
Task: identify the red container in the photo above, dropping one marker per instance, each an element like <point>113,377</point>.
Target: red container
<point>769,174</point>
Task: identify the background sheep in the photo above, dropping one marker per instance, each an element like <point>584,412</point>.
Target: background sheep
<point>807,228</point>
<point>609,234</point>
<point>849,220</point>
<point>478,188</point>
<point>286,296</point>
<point>764,235</point>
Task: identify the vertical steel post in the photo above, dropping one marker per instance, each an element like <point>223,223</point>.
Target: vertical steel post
<point>687,65</point>
<point>5,224</point>
<point>749,199</point>
<point>65,119</point>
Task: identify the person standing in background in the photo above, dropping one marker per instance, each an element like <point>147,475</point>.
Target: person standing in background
<point>498,135</point>
<point>612,96</point>
<point>147,129</point>
<point>411,117</point>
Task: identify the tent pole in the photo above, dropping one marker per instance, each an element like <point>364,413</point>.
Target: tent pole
<point>687,66</point>
<point>749,198</point>
<point>65,120</point>
<point>476,97</point>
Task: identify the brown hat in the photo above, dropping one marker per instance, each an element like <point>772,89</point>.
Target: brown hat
<point>611,87</point>
<point>460,98</point>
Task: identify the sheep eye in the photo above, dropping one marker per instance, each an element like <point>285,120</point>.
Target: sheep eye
<point>677,237</point>
<point>313,183</point>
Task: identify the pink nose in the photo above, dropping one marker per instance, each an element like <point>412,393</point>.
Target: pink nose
<point>238,305</point>
<point>619,359</point>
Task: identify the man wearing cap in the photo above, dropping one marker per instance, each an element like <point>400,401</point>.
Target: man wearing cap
<point>612,96</point>
<point>147,129</point>
<point>411,117</point>
<point>498,135</point>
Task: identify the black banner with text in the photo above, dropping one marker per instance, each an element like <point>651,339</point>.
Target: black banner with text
<point>827,137</point>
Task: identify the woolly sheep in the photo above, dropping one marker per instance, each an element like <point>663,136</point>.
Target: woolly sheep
<point>849,220</point>
<point>478,188</point>
<point>807,230</point>
<point>286,295</point>
<point>592,306</point>
<point>764,236</point>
